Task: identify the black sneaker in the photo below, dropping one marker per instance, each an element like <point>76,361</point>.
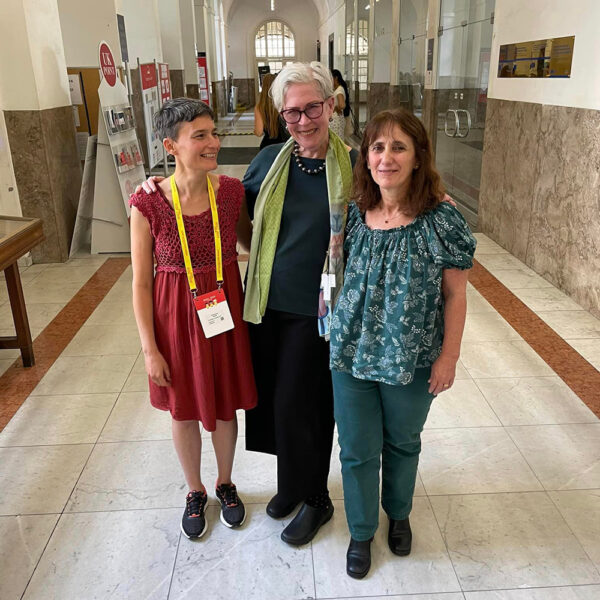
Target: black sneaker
<point>233,513</point>
<point>193,522</point>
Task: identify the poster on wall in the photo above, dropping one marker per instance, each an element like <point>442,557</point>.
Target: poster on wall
<point>119,165</point>
<point>203,82</point>
<point>540,58</point>
<point>164,82</point>
<point>149,82</point>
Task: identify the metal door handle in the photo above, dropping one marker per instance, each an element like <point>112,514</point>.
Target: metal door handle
<point>466,133</point>
<point>456,123</point>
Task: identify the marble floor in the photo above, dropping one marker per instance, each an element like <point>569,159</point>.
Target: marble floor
<point>507,503</point>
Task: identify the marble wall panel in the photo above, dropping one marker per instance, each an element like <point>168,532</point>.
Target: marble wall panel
<point>564,236</point>
<point>399,97</point>
<point>246,93</point>
<point>219,98</point>
<point>429,115</point>
<point>192,91</point>
<point>509,173</point>
<point>378,98</point>
<point>48,174</point>
<point>177,83</point>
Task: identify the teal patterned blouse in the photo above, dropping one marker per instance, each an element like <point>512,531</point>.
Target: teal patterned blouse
<point>389,318</point>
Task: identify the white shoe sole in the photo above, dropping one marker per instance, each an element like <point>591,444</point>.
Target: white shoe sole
<point>197,537</point>
<point>229,524</point>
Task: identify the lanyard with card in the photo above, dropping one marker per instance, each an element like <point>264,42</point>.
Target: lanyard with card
<point>212,308</point>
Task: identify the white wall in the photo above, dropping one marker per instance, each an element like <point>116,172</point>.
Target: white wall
<point>246,16</point>
<point>143,29</point>
<point>518,21</point>
<point>33,73</point>
<point>84,25</point>
<point>9,194</point>
<point>170,33</point>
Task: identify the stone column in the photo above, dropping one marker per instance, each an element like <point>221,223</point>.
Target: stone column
<point>40,130</point>
<point>189,45</point>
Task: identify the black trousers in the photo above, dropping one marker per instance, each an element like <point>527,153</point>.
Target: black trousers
<point>294,416</point>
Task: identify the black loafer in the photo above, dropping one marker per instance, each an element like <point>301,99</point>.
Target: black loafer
<point>400,537</point>
<point>279,508</point>
<point>358,558</point>
<point>305,525</point>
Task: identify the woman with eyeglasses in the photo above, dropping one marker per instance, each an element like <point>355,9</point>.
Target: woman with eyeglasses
<point>297,196</point>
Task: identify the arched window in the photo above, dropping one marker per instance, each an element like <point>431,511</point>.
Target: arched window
<point>274,45</point>
<point>363,49</point>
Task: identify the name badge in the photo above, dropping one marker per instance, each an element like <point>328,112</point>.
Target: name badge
<point>213,312</point>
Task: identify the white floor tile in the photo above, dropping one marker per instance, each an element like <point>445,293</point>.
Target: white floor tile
<point>113,313</point>
<point>426,570</point>
<point>581,510</point>
<point>502,359</point>
<point>472,461</point>
<point>5,363</point>
<point>500,262</point>
<point>572,324</point>
<point>47,420</point>
<point>463,405</point>
<point>534,401</point>
<point>118,555</point>
<point>135,419</point>
<point>511,541</point>
<point>38,315</point>
<point>85,375</point>
<point>564,457</point>
<point>52,291</point>
<point>130,475</point>
<point>582,592</point>
<point>39,479</point>
<point>476,303</point>
<point>22,540</point>
<point>250,563</point>
<point>520,278</point>
<point>104,340</point>
<point>488,327</point>
<point>542,299</point>
<point>589,349</point>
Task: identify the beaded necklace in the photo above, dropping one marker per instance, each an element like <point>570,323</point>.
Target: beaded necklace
<point>304,169</point>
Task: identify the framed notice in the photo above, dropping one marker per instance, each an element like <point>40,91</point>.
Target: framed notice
<point>150,99</point>
<point>164,82</point>
<point>540,58</point>
<point>203,83</point>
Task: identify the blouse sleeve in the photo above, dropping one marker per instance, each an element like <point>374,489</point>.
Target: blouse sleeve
<point>450,239</point>
<point>143,202</point>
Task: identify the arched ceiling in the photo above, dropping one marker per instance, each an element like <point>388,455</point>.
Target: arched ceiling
<point>322,6</point>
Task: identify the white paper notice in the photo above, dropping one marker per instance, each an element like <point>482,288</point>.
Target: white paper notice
<point>75,89</point>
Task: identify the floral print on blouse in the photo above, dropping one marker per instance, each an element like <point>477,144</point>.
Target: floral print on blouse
<point>389,318</point>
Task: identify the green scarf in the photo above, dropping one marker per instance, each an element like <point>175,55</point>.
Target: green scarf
<point>267,221</point>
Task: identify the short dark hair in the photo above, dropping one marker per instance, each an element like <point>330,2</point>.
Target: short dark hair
<point>179,110</point>
<point>426,188</point>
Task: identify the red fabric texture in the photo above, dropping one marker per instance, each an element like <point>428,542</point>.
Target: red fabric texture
<point>210,378</point>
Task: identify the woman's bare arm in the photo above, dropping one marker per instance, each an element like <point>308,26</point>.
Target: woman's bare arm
<point>142,263</point>
<point>454,289</point>
<point>244,228</point>
<point>258,123</point>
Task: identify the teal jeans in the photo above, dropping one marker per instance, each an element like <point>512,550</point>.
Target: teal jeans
<point>379,422</point>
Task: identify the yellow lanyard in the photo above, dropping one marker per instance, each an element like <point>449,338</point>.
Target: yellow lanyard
<point>183,239</point>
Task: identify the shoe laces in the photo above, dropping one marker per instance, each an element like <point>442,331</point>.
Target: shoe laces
<point>229,493</point>
<point>194,503</point>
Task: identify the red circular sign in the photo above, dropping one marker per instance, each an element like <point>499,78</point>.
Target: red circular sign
<point>107,64</point>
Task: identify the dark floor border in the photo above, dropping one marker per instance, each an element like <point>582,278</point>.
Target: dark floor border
<point>582,377</point>
<point>18,382</point>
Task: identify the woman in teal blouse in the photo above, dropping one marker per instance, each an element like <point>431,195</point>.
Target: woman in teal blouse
<point>397,326</point>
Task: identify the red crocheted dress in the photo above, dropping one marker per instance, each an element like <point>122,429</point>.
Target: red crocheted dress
<point>210,378</point>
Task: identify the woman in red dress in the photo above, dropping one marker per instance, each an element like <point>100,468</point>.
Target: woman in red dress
<point>199,379</point>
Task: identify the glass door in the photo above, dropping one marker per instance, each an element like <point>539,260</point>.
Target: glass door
<point>463,73</point>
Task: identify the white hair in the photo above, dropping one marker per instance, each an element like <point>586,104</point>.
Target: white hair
<point>298,72</point>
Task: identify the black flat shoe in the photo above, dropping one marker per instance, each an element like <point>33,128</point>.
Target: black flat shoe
<point>305,525</point>
<point>278,508</point>
<point>400,537</point>
<point>358,558</point>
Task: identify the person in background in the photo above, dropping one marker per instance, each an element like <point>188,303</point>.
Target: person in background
<point>199,379</point>
<point>397,326</point>
<point>297,194</point>
<point>340,93</point>
<point>267,122</point>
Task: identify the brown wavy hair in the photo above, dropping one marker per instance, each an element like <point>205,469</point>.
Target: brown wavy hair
<point>266,108</point>
<point>426,189</point>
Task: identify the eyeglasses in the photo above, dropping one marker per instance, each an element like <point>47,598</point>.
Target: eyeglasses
<point>312,111</point>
